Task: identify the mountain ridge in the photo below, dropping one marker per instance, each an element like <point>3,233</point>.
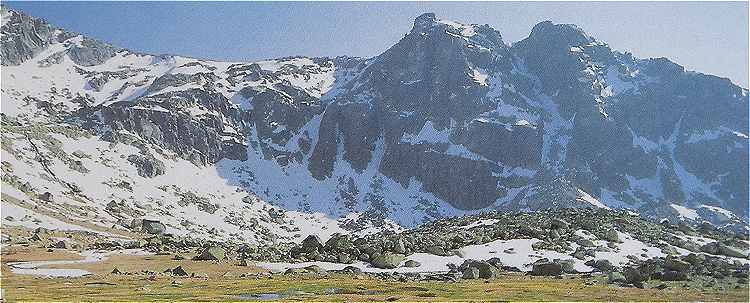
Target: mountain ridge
<point>449,107</point>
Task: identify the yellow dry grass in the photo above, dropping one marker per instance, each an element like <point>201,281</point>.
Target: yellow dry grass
<point>221,281</point>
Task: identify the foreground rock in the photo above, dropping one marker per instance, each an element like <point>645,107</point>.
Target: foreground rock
<point>211,253</point>
<point>473,269</point>
<point>547,269</point>
<point>153,227</point>
<point>387,261</point>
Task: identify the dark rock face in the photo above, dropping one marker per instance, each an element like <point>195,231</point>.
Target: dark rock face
<point>429,70</point>
<point>443,175</point>
<point>198,139</point>
<point>23,37</point>
<point>624,115</point>
<point>427,81</point>
<point>278,114</point>
<point>148,166</point>
<point>547,51</point>
<point>91,52</point>
<point>598,132</point>
<point>514,145</point>
<point>357,126</point>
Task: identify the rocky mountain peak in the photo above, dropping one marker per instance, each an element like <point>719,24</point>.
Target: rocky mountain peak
<point>424,22</point>
<point>559,34</point>
<point>482,37</point>
<point>24,37</point>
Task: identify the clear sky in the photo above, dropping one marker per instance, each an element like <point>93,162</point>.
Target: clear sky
<point>710,37</point>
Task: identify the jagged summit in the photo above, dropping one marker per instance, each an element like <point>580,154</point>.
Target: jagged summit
<point>482,36</point>
<point>545,32</point>
<point>25,36</point>
<point>567,34</point>
<point>424,22</point>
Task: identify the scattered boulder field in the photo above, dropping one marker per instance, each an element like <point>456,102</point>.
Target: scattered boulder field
<point>622,246</point>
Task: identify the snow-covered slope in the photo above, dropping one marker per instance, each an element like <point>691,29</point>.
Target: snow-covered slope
<point>60,155</point>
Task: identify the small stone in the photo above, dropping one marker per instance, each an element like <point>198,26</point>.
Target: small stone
<point>615,277</point>
<point>179,271</point>
<point>314,269</point>
<point>612,236</point>
<point>61,244</point>
<point>603,265</point>
<point>153,227</point>
<point>352,270</point>
<point>211,253</point>
<point>547,269</point>
<point>559,224</point>
<point>634,276</point>
<point>387,261</point>
<point>671,275</point>
<point>412,263</point>
<point>46,196</point>
<point>471,273</point>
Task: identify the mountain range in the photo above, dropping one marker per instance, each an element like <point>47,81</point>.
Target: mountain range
<point>450,120</point>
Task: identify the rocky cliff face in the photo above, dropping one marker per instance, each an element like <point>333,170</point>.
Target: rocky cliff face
<point>559,102</point>
<point>429,99</point>
<point>449,120</point>
<point>631,122</point>
<point>24,37</point>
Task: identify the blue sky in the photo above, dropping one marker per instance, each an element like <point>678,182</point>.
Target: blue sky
<point>710,37</point>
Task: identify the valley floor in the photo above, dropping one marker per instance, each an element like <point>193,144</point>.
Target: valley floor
<point>227,281</point>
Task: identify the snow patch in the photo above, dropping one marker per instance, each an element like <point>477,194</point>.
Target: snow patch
<point>428,134</point>
<point>585,197</point>
<point>37,268</point>
<point>685,212</point>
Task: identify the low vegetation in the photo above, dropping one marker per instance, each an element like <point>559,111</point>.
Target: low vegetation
<point>143,278</point>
